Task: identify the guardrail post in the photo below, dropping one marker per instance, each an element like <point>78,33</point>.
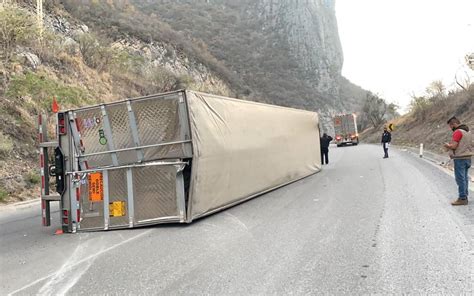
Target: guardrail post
<point>421,150</point>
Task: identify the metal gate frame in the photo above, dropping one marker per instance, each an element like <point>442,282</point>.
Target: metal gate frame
<point>77,168</point>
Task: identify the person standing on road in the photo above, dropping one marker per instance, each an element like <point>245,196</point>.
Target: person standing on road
<point>460,150</point>
<point>325,141</point>
<point>386,139</point>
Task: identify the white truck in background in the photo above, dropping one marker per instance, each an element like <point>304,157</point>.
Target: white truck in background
<point>345,128</point>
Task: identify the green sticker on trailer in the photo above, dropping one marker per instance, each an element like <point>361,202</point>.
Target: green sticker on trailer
<point>102,138</point>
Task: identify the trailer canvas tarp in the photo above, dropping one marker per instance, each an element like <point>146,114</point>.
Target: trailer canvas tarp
<point>244,148</point>
<point>173,157</point>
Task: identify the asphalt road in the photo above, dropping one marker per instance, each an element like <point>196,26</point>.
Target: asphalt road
<point>363,225</point>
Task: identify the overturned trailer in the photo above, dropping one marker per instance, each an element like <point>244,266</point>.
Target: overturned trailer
<point>171,158</point>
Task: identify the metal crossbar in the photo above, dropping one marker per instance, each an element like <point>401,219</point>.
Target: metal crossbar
<point>134,148</point>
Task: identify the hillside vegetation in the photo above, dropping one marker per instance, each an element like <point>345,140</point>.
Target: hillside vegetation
<point>76,65</point>
<point>426,122</point>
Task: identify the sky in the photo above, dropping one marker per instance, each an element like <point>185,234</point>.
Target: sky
<point>398,47</point>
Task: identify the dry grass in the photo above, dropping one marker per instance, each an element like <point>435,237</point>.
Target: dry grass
<point>410,130</point>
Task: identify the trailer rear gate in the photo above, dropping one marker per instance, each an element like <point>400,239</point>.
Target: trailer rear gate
<point>175,157</point>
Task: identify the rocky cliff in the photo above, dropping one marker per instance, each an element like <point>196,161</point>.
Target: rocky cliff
<point>285,51</point>
<point>310,28</point>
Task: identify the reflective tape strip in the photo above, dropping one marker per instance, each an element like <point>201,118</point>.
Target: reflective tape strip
<point>42,163</point>
<point>130,197</point>
<point>78,200</point>
<point>43,179</point>
<point>180,200</point>
<point>105,178</point>
<point>43,212</point>
<point>74,208</point>
<point>40,128</point>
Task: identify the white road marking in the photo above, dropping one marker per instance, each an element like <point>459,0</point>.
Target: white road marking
<point>66,277</point>
<point>237,220</point>
<point>86,259</point>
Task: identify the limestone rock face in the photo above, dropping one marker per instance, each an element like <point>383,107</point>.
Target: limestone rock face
<point>310,27</point>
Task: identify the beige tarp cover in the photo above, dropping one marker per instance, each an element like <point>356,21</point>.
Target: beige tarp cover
<point>244,148</point>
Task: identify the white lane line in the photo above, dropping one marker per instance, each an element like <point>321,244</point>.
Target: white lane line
<point>237,220</point>
<point>55,285</point>
<point>81,261</point>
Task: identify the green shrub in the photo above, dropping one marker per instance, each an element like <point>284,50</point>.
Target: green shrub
<point>184,81</point>
<point>3,194</point>
<point>6,144</point>
<point>126,62</point>
<point>42,89</point>
<point>33,178</point>
<point>17,27</point>
<point>95,54</point>
<point>419,106</point>
<point>162,80</point>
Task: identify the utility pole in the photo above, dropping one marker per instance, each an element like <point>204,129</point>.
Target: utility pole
<point>39,16</point>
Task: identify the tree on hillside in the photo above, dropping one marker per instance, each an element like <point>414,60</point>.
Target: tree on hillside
<point>464,75</point>
<point>392,111</point>
<point>419,106</point>
<point>374,110</point>
<point>436,91</point>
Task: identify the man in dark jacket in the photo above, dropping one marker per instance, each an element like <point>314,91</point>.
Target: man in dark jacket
<point>386,139</point>
<point>325,141</point>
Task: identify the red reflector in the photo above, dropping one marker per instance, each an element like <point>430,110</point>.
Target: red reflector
<point>65,221</point>
<point>62,130</point>
<point>78,215</point>
<point>61,121</point>
<point>65,213</point>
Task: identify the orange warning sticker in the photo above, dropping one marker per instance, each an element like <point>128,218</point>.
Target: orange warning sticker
<point>96,187</point>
